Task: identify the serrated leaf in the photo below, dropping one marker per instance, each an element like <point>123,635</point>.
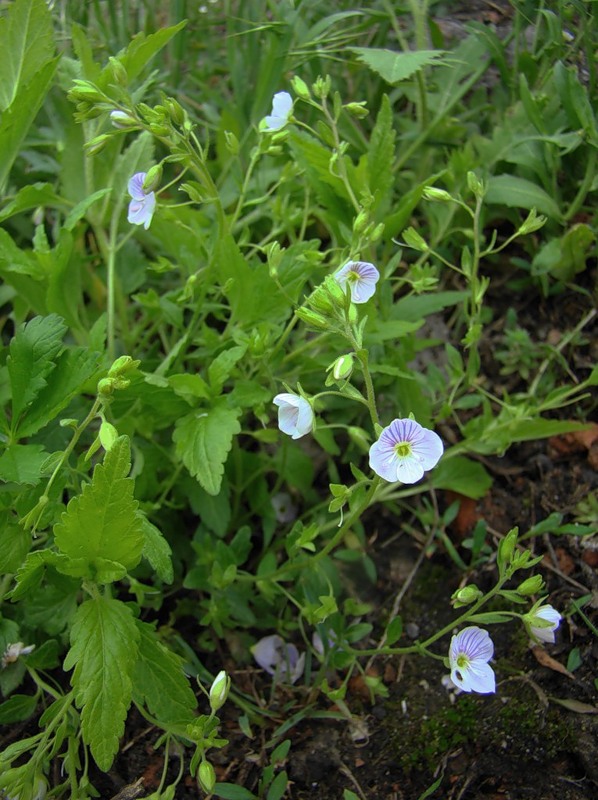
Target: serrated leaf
<point>203,440</point>
<point>16,261</point>
<point>102,524</point>
<point>33,353</point>
<point>381,152</point>
<point>142,48</point>
<point>222,366</point>
<point>30,574</point>
<point>160,682</point>
<point>104,650</point>
<point>73,368</point>
<point>79,211</point>
<point>31,196</point>
<point>395,67</point>
<point>515,192</point>
<point>22,464</point>
<point>157,550</point>
<point>14,544</point>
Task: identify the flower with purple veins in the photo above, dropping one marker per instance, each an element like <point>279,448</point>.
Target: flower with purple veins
<point>469,654</point>
<point>295,415</point>
<point>143,204</point>
<point>282,105</point>
<point>542,623</point>
<point>278,658</point>
<point>404,451</point>
<point>361,277</point>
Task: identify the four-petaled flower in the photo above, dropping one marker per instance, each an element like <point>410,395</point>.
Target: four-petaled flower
<point>404,451</point>
<point>469,654</point>
<point>141,207</point>
<point>282,105</point>
<point>295,415</point>
<point>542,623</point>
<point>278,658</point>
<point>361,277</point>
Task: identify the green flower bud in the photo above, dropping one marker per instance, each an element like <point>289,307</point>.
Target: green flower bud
<point>119,71</point>
<point>506,548</point>
<point>412,239</point>
<point>86,91</point>
<point>465,596</point>
<point>122,366</point>
<point>476,186</point>
<point>432,193</point>
<point>152,178</point>
<point>206,777</point>
<point>377,233</point>
<point>532,585</point>
<point>107,435</point>
<point>232,143</point>
<point>357,109</point>
<point>97,144</point>
<point>311,318</point>
<point>219,690</point>
<point>105,387</point>
<point>320,301</point>
<point>300,88</point>
<point>335,291</point>
<point>361,221</point>
<point>342,367</point>
<point>176,111</point>
<point>321,88</point>
<point>532,223</point>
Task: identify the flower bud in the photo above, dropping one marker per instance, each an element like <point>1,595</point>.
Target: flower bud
<point>532,585</point>
<point>152,178</point>
<point>300,88</point>
<point>97,144</point>
<point>342,367</point>
<point>476,186</point>
<point>321,88</point>
<point>377,232</point>
<point>219,690</point>
<point>432,193</point>
<point>118,70</point>
<point>506,548</point>
<point>320,301</point>
<point>122,366</point>
<point>357,109</point>
<point>532,223</point>
<point>84,90</point>
<point>122,120</point>
<point>206,777</point>
<point>107,435</point>
<point>465,596</point>
<point>361,220</point>
<point>232,143</point>
<point>105,387</point>
<point>176,111</point>
<point>412,239</point>
<point>311,318</point>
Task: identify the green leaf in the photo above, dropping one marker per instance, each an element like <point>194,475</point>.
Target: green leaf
<point>203,440</point>
<point>32,358</point>
<point>14,544</point>
<point>230,791</point>
<point>157,550</point>
<point>394,631</point>
<point>142,48</point>
<point>514,192</point>
<point>159,681</point>
<point>462,475</point>
<point>80,210</point>
<point>381,152</point>
<point>73,369</point>
<point>13,260</point>
<point>26,43</point>
<point>104,651</point>
<point>222,366</point>
<point>17,708</point>
<point>31,196</point>
<point>102,524</point>
<point>31,572</point>
<point>22,463</point>
<point>395,67</point>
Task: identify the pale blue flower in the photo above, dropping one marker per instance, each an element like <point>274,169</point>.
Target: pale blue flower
<point>361,277</point>
<point>282,105</point>
<point>143,204</point>
<point>469,654</point>
<point>278,658</point>
<point>542,622</point>
<point>404,451</point>
<point>284,508</point>
<point>295,415</point>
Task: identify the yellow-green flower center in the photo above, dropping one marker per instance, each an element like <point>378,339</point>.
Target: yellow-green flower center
<point>353,276</point>
<point>462,661</point>
<point>403,449</point>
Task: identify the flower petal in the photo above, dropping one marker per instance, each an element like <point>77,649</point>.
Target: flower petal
<point>135,186</point>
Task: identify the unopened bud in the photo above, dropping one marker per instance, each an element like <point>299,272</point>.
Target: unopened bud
<point>321,88</point>
<point>122,366</point>
<point>532,223</point>
<point>206,777</point>
<point>300,88</point>
<point>432,193</point>
<point>119,71</point>
<point>361,220</point>
<point>107,434</point>
<point>476,186</point>
<point>122,120</point>
<point>312,318</point>
<point>530,586</point>
<point>219,690</point>
<point>465,596</point>
<point>412,239</point>
<point>232,143</point>
<point>105,387</point>
<point>176,111</point>
<point>152,178</point>
<point>357,109</point>
<point>342,367</point>
<point>97,144</point>
<point>506,548</point>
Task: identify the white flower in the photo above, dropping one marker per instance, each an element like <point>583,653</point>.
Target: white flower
<point>278,658</point>
<point>284,509</point>
<point>404,451</point>
<point>282,105</point>
<point>295,415</point>
<point>361,276</point>
<point>141,207</point>
<point>469,654</point>
<point>542,623</point>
